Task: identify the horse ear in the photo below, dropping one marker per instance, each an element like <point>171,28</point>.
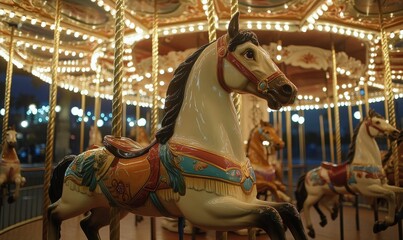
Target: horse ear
<point>371,112</point>
<point>233,27</point>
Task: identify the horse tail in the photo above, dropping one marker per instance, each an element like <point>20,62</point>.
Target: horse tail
<point>56,183</point>
<point>300,192</point>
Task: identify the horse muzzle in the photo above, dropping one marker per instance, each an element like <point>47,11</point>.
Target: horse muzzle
<point>394,135</point>
<point>12,144</point>
<point>279,92</point>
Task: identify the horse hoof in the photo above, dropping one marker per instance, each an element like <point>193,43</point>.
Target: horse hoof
<point>311,232</point>
<point>379,227</point>
<point>334,215</point>
<point>323,222</point>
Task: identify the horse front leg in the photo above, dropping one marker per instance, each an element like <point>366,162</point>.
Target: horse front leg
<point>19,182</point>
<point>290,216</point>
<point>225,213</point>
<point>308,203</point>
<point>381,192</point>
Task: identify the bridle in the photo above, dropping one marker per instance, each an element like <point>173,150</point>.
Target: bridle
<point>223,52</point>
<point>369,123</point>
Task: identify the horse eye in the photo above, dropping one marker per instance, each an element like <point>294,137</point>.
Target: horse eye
<point>249,54</point>
<point>378,122</point>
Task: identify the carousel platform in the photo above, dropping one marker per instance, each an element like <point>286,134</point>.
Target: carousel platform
<point>70,229</point>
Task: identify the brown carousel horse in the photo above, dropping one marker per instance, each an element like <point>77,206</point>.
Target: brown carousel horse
<point>10,169</point>
<point>263,144</point>
<point>362,173</point>
<point>196,167</point>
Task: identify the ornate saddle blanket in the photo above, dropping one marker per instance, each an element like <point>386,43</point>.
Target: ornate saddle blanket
<point>200,163</point>
<point>338,174</point>
<point>89,167</point>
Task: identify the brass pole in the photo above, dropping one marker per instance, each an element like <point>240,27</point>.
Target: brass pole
<point>114,224</point>
<point>97,102</point>
<point>7,89</point>
<point>212,33</point>
<point>212,36</point>
<point>389,93</point>
<point>82,124</point>
<point>51,124</point>
<point>281,154</point>
<point>330,123</point>
<point>154,110</point>
<point>336,107</point>
<point>350,120</point>
<point>322,138</point>
<point>137,117</point>
<point>366,102</point>
<point>236,97</point>
<point>154,115</point>
<point>124,119</point>
<point>289,151</point>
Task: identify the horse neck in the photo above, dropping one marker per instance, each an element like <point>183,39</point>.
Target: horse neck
<point>366,149</point>
<point>256,151</point>
<point>207,118</point>
<point>9,154</point>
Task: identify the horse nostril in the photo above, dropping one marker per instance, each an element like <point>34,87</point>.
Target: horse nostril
<point>287,89</point>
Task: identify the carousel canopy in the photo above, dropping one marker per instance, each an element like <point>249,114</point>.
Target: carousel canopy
<point>298,34</point>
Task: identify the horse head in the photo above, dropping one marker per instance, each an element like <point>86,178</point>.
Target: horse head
<point>268,135</point>
<point>377,126</point>
<point>11,138</point>
<point>255,72</point>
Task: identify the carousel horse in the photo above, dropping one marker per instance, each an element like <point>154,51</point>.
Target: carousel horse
<point>362,173</point>
<point>261,156</point>
<point>10,169</point>
<point>196,167</point>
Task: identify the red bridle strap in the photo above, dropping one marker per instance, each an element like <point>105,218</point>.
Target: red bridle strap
<point>222,52</point>
<point>368,124</point>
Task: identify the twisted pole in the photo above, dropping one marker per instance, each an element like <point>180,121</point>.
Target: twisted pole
<point>212,32</point>
<point>8,85</point>
<point>51,124</point>
<point>389,93</point>
<point>82,124</point>
<point>212,36</point>
<point>236,96</point>
<point>337,126</point>
<point>114,224</point>
<point>154,115</point>
<point>336,107</point>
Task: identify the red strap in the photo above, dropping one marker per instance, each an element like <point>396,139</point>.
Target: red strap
<point>222,52</point>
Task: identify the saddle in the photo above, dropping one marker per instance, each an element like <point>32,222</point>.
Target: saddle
<point>337,173</point>
<point>124,147</point>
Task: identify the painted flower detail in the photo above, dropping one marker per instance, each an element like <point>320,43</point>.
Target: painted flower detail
<point>308,58</point>
<point>199,166</point>
<point>120,188</point>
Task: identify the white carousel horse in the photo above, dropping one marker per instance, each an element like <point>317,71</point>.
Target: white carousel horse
<point>362,173</point>
<point>10,168</point>
<point>264,160</point>
<point>197,167</point>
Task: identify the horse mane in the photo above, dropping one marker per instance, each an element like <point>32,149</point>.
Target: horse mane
<point>175,94</point>
<point>176,88</point>
<point>351,148</point>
